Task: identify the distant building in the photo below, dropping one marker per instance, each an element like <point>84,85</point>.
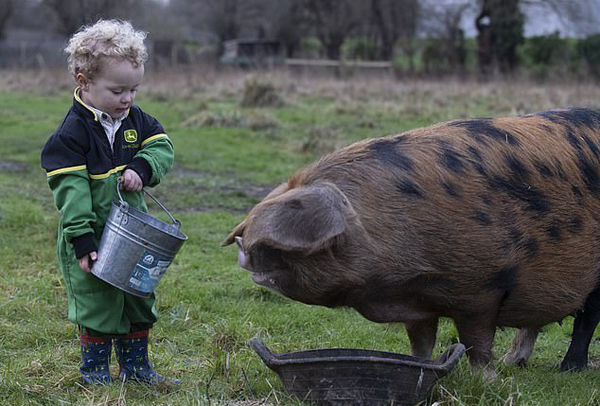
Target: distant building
<point>253,52</point>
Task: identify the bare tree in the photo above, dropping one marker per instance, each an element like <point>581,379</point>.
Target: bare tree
<point>223,20</point>
<point>333,21</point>
<point>394,19</point>
<point>500,25</point>
<point>289,24</point>
<point>72,14</point>
<point>222,17</point>
<point>447,49</point>
<point>6,10</point>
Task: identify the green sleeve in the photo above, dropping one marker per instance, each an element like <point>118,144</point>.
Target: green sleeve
<point>73,198</point>
<point>159,154</point>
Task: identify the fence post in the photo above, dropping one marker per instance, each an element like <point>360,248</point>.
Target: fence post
<point>23,54</point>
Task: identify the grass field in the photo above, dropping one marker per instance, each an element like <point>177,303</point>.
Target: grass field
<point>227,158</point>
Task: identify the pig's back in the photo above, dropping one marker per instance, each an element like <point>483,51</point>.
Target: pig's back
<point>509,206</point>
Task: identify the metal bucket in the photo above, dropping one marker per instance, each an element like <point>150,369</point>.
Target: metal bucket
<point>136,248</point>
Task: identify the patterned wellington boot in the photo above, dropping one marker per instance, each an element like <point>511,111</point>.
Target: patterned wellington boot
<point>132,354</point>
<point>95,356</point>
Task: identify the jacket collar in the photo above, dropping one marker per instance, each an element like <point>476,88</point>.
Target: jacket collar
<point>86,110</point>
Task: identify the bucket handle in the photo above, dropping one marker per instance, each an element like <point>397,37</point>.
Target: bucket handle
<point>176,222</point>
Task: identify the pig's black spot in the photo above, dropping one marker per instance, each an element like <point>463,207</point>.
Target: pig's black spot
<point>543,169</point>
<point>450,189</point>
<point>589,172</point>
<point>518,170</point>
<point>388,153</point>
<point>409,188</point>
<point>575,225</point>
<point>486,200</point>
<point>483,218</point>
<point>576,116</point>
<point>479,128</point>
<point>554,232</point>
<point>505,247</point>
<point>452,160</point>
<point>516,235</point>
<point>505,279</point>
<point>573,140</point>
<point>559,169</point>
<point>479,168</point>
<point>470,130</point>
<point>477,160</point>
<point>531,247</point>
<point>295,204</point>
<point>592,146</point>
<point>475,153</point>
<point>534,199</point>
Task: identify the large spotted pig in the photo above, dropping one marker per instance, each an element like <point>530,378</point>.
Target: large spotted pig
<point>490,222</point>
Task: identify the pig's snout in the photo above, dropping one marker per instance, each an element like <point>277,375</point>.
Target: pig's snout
<point>243,259</point>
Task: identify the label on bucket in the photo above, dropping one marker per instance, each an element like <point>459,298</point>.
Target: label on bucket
<point>148,271</point>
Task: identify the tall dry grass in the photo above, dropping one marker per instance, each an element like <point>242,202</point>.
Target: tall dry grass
<point>419,95</point>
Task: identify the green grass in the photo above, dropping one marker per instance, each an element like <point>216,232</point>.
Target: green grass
<point>228,158</point>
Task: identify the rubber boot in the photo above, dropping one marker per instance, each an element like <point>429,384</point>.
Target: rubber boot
<point>132,354</point>
<point>95,357</point>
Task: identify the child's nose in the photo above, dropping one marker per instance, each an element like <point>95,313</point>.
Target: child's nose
<point>127,97</point>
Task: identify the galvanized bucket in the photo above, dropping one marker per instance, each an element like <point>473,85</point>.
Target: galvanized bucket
<point>136,248</point>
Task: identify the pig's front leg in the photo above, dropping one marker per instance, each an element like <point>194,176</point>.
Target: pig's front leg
<point>477,334</point>
<point>422,336</point>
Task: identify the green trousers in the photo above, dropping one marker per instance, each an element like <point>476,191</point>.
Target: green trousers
<point>97,305</point>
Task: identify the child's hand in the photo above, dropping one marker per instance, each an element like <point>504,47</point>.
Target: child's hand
<point>85,262</point>
<point>131,181</point>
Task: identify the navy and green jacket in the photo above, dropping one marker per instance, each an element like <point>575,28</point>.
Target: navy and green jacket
<point>82,169</point>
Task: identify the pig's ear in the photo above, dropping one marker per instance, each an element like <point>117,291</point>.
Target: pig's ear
<point>303,219</point>
<point>239,229</point>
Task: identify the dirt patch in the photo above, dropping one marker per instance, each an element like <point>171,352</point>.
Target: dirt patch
<point>13,166</point>
<point>199,191</point>
<point>249,189</point>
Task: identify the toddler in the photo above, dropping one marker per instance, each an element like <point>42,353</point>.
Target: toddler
<point>104,136</point>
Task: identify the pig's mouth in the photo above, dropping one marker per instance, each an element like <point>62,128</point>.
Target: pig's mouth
<point>263,278</point>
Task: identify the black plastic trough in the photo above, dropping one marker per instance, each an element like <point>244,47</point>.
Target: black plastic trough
<point>340,376</point>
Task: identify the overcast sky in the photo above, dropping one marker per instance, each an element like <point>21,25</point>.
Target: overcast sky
<point>543,20</point>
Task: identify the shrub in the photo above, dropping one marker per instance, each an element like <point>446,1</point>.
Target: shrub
<point>545,55</point>
<point>257,93</point>
<point>544,49</point>
<point>360,48</point>
<point>589,50</point>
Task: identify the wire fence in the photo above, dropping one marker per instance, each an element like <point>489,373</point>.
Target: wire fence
<point>32,54</point>
<point>49,53</point>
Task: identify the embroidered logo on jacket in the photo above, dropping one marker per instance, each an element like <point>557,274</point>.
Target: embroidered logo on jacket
<point>130,135</point>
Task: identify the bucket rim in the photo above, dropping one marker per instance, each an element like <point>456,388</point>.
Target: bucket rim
<point>132,211</point>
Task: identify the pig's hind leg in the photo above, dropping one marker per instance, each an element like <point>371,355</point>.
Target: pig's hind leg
<point>584,326</point>
<point>522,346</point>
<point>422,335</point>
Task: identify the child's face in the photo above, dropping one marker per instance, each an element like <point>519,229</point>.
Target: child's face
<point>113,89</point>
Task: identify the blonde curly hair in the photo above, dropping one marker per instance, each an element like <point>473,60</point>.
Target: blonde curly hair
<point>104,39</point>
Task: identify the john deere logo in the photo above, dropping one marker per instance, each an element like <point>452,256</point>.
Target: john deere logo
<point>130,135</point>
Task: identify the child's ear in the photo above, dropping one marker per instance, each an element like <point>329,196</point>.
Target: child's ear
<point>82,81</point>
